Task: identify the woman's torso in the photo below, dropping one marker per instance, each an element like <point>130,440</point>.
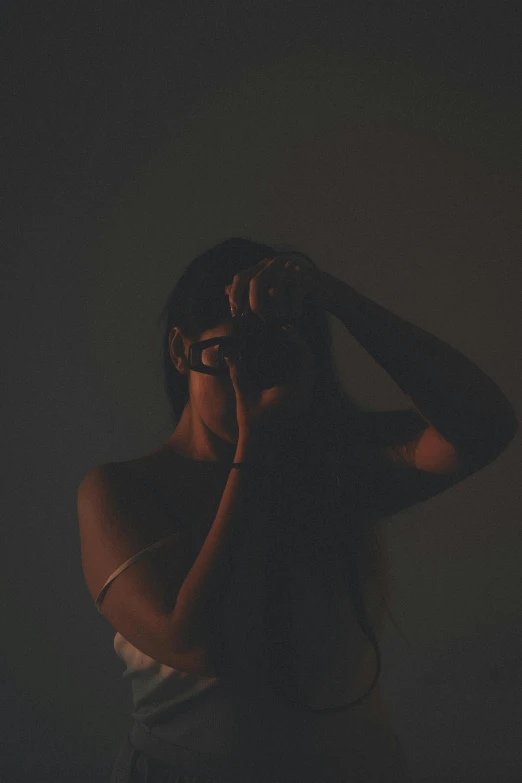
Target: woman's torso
<point>191,493</point>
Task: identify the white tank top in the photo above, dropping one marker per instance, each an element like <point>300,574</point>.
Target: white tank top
<point>203,716</point>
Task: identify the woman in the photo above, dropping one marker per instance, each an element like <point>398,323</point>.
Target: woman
<point>248,619</point>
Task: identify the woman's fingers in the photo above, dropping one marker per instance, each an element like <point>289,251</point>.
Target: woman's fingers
<point>239,290</point>
<point>271,289</point>
<point>267,291</point>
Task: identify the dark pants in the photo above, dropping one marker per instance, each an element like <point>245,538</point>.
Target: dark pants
<point>135,766</point>
<point>145,758</point>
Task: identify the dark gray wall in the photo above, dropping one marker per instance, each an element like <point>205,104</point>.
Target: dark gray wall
<point>387,146</point>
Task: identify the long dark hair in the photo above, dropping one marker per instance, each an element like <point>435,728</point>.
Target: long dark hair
<point>198,302</point>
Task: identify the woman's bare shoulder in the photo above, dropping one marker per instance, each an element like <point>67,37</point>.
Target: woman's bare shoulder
<point>149,466</point>
<point>140,479</point>
<point>121,475</point>
<point>172,485</point>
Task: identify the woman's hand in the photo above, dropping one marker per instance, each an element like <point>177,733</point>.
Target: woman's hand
<point>273,289</point>
<point>265,409</point>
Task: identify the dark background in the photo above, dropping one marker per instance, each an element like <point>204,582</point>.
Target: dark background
<point>382,139</point>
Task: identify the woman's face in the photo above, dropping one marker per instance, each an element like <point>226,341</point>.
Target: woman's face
<point>212,399</point>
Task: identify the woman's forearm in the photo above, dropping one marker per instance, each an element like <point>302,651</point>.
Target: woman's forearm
<point>236,538</point>
<point>449,391</point>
